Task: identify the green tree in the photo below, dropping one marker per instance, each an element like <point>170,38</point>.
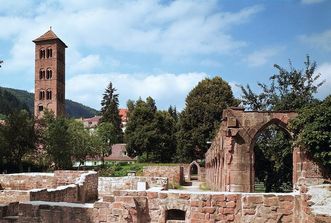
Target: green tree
<point>18,137</point>
<point>312,131</point>
<point>201,117</point>
<point>139,130</point>
<point>290,89</point>
<point>109,110</point>
<point>58,142</point>
<point>107,134</point>
<point>9,103</point>
<point>81,142</point>
<point>150,134</point>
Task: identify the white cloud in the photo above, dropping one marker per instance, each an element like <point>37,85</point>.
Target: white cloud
<point>309,2</point>
<point>320,40</point>
<point>180,28</point>
<point>86,64</point>
<point>167,89</point>
<point>325,71</point>
<point>174,31</point>
<point>261,57</point>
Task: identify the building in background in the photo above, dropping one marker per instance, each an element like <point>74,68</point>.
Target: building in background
<point>49,74</point>
<point>118,155</point>
<point>92,123</point>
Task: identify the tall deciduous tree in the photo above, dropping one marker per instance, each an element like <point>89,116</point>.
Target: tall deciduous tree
<point>201,117</point>
<point>107,134</point>
<point>150,134</point>
<point>290,89</point>
<point>110,112</point>
<point>81,142</point>
<point>57,140</point>
<point>18,136</point>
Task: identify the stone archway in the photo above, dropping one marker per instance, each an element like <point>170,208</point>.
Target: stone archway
<point>262,168</point>
<point>180,207</point>
<point>233,143</point>
<point>194,166</point>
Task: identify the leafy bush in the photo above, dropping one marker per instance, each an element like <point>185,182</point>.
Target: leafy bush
<point>312,131</point>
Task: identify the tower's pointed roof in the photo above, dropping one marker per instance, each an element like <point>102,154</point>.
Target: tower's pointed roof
<point>49,35</point>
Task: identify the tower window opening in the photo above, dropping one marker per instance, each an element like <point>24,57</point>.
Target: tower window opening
<point>49,53</point>
<point>41,74</point>
<point>41,95</point>
<point>42,54</point>
<point>49,74</point>
<point>40,108</point>
<point>49,95</point>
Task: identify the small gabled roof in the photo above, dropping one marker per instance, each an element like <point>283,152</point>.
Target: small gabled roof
<point>49,35</point>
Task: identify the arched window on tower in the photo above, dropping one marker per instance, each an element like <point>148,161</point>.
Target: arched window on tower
<point>42,53</point>
<point>42,74</point>
<point>48,95</point>
<point>41,95</point>
<point>49,52</point>
<point>48,74</point>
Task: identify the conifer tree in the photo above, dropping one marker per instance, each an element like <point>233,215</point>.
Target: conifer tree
<point>110,112</point>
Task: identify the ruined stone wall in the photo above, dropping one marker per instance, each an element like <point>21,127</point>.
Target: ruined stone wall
<point>146,206</point>
<point>27,181</point>
<point>107,185</point>
<point>45,212</point>
<point>206,207</point>
<point>65,177</point>
<point>87,186</point>
<point>230,160</point>
<point>84,188</point>
<point>175,174</point>
<point>68,193</point>
<point>13,196</point>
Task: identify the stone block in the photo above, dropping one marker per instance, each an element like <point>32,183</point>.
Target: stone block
<point>271,201</point>
<point>210,210</point>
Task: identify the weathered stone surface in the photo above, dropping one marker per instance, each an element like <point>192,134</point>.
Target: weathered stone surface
<point>229,166</point>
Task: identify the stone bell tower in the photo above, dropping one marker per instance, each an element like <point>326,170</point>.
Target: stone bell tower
<point>49,74</point>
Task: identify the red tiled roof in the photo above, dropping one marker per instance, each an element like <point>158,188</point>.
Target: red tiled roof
<point>49,35</point>
<point>123,112</point>
<point>118,154</point>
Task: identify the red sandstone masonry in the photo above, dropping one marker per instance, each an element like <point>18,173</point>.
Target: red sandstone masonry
<point>175,174</point>
<point>27,181</point>
<point>145,206</point>
<point>72,186</point>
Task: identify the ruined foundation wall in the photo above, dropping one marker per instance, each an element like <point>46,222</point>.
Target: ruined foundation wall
<point>13,196</point>
<point>107,185</point>
<point>175,174</point>
<point>146,206</point>
<point>83,189</point>
<point>27,181</point>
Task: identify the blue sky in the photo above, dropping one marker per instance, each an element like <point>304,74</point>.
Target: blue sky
<point>164,48</point>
